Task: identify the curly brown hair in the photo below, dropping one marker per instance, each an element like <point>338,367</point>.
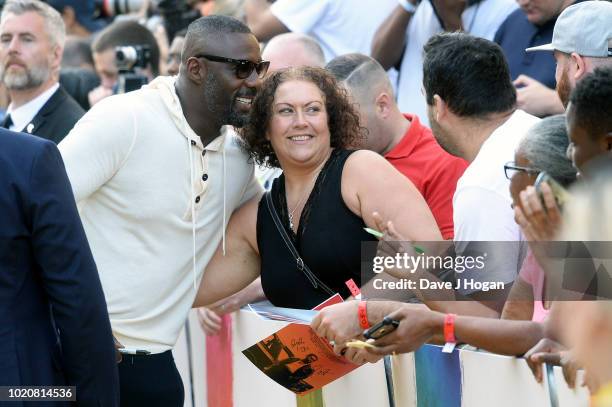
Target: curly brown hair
<point>342,119</point>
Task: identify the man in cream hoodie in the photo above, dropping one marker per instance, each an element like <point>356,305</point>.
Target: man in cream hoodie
<point>156,181</point>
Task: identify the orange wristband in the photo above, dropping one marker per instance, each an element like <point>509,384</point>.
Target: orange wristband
<point>449,328</point>
<point>362,314</point>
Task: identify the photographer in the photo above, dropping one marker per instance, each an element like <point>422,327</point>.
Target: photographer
<point>120,34</point>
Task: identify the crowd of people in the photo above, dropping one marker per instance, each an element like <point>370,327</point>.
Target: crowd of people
<point>229,152</point>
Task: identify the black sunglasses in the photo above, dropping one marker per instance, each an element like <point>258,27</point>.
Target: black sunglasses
<point>242,67</point>
<point>510,169</point>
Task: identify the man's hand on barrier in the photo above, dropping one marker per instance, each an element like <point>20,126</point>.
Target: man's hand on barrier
<point>538,222</point>
<point>545,351</point>
<point>570,366</point>
<point>210,321</point>
<point>417,325</point>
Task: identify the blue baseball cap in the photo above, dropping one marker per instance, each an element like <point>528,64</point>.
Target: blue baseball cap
<point>83,11</point>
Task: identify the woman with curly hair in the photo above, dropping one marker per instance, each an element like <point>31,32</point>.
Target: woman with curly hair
<point>302,122</point>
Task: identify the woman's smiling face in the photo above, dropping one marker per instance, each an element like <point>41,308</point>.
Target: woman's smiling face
<point>298,128</point>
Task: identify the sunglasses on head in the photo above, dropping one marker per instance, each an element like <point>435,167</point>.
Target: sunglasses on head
<point>243,68</point>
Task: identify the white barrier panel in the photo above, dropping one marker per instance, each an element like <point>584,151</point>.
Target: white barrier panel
<point>463,379</point>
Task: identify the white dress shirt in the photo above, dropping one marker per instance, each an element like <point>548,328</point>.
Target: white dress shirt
<point>24,114</point>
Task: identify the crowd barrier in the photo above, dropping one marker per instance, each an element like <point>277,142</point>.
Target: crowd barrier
<point>426,378</point>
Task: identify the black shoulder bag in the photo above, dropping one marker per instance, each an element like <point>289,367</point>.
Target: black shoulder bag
<point>314,280</point>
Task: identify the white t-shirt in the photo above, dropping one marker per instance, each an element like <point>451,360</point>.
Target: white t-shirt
<point>482,202</point>
<point>340,26</point>
<point>481,20</point>
<point>139,172</point>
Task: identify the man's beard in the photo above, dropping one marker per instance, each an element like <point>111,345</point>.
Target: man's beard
<point>441,136</point>
<point>237,119</point>
<point>28,78</point>
<point>226,113</point>
<point>564,88</point>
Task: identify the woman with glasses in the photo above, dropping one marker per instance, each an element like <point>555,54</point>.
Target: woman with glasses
<point>543,149</point>
<point>302,122</point>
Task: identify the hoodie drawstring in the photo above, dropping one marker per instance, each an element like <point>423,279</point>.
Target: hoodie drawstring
<point>224,201</point>
<point>193,220</point>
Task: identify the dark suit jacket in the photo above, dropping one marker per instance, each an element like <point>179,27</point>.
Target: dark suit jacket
<point>54,326</point>
<point>78,82</point>
<point>56,118</point>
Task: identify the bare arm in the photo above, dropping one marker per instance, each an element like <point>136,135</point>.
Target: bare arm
<point>519,305</point>
<point>419,325</point>
<point>370,184</point>
<point>262,22</point>
<point>210,317</point>
<point>390,38</point>
<point>227,274</point>
<point>496,335</point>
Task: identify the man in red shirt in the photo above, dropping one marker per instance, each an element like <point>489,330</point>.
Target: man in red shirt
<point>400,138</point>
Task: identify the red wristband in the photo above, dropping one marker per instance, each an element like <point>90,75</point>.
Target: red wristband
<point>449,328</point>
<point>362,314</point>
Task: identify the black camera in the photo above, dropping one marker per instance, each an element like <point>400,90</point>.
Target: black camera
<point>130,60</point>
<point>132,56</point>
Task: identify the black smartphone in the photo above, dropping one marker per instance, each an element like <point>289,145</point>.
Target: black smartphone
<point>381,329</point>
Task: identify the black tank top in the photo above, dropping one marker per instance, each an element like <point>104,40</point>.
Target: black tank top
<point>328,239</point>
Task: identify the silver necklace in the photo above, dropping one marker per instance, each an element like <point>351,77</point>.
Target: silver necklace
<point>297,205</point>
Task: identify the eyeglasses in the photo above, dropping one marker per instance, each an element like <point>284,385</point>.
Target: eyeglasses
<point>242,67</point>
<point>510,169</point>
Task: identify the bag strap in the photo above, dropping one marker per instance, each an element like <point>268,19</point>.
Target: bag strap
<point>314,280</point>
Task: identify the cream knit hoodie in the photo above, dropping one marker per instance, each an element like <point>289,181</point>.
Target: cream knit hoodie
<point>154,203</point>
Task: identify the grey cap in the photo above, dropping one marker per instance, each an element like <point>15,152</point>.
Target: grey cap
<point>584,28</point>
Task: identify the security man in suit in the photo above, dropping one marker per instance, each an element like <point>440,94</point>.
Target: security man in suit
<point>32,36</point>
<point>54,327</point>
